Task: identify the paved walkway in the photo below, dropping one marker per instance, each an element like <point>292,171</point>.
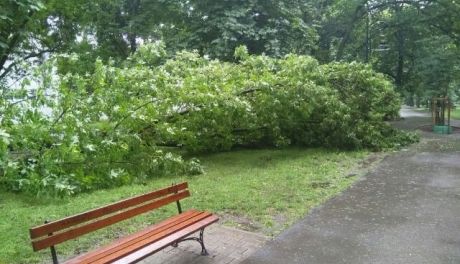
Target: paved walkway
<point>405,211</point>
<point>225,245</point>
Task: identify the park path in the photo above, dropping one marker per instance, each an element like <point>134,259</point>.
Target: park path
<point>406,210</point>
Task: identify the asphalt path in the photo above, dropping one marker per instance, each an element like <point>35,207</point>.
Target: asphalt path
<point>406,210</point>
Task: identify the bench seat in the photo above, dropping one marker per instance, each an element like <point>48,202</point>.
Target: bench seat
<point>142,244</point>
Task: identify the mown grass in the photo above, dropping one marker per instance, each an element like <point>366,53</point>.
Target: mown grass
<point>456,113</point>
<point>259,190</point>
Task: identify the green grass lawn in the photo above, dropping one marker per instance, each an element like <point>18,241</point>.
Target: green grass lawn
<point>259,190</point>
<point>456,113</point>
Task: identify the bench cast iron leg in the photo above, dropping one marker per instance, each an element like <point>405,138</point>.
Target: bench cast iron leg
<point>204,252</point>
<point>54,255</point>
<point>53,249</point>
<point>199,239</point>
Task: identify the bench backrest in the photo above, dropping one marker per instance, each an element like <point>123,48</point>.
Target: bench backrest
<point>56,232</point>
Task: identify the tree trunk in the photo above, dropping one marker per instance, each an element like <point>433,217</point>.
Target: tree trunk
<point>356,16</point>
<point>400,42</point>
<point>133,11</point>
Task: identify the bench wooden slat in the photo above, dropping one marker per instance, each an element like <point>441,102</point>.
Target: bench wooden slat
<point>130,239</point>
<point>129,248</point>
<point>159,245</point>
<point>126,249</point>
<point>87,228</point>
<point>52,227</point>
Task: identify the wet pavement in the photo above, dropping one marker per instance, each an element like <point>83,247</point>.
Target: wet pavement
<point>407,210</point>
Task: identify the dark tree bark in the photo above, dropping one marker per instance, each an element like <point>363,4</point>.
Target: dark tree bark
<point>400,42</point>
<point>133,9</point>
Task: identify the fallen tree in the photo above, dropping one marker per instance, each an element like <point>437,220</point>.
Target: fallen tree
<point>111,126</point>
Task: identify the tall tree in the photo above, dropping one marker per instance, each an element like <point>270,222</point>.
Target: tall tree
<point>395,36</point>
<point>29,29</point>
<point>17,23</point>
<point>271,27</point>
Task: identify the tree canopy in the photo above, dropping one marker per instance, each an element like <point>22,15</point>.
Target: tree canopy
<point>408,40</point>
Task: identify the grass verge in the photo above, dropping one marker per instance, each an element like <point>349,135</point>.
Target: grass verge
<point>456,113</point>
<point>257,190</point>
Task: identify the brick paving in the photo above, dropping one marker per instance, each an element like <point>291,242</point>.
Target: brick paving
<point>225,245</point>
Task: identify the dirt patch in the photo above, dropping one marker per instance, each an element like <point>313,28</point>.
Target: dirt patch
<point>371,160</point>
<point>320,184</point>
<point>279,222</point>
<point>366,165</point>
<point>241,222</point>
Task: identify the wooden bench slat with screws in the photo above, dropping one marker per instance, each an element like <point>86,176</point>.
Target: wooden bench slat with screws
<point>134,247</point>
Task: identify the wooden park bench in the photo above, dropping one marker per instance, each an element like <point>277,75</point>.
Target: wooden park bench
<point>134,247</point>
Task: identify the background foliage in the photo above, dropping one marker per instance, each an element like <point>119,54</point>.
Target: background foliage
<point>128,123</point>
<point>415,42</point>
